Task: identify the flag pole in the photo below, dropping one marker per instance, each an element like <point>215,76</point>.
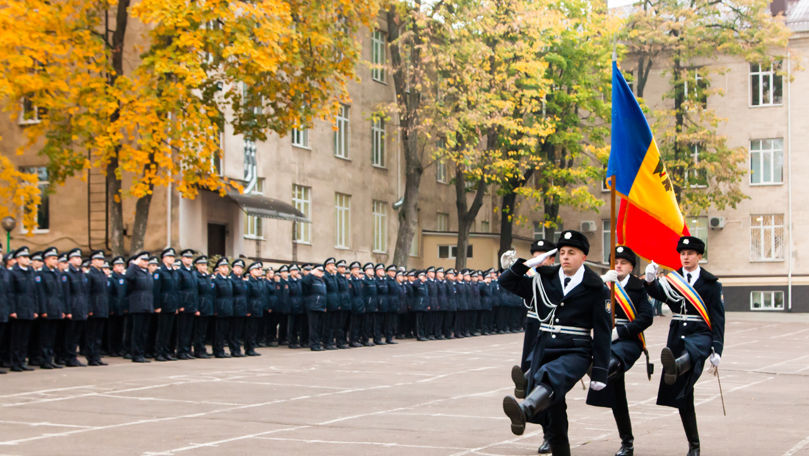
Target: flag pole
<point>612,245</point>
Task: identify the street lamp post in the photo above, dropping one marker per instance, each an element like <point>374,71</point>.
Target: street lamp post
<point>8,223</point>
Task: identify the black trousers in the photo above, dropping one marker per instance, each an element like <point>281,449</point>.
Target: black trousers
<point>185,333</point>
<point>139,332</point>
<point>47,337</point>
<point>620,409</point>
<point>339,327</point>
<point>449,320</point>
<point>378,323</point>
<point>316,322</point>
<point>251,325</point>
<point>165,325</point>
<point>389,325</point>
<point>115,335</point>
<point>368,322</point>
<point>93,334</point>
<point>200,333</point>
<point>356,324</point>
<point>438,323</point>
<point>282,318</point>
<point>73,334</point>
<point>221,332</point>
<point>295,329</point>
<point>428,325</point>
<point>20,330</point>
<point>419,328</point>
<point>236,334</point>
<point>272,321</point>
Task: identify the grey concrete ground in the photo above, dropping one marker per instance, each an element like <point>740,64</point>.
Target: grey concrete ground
<point>415,398</point>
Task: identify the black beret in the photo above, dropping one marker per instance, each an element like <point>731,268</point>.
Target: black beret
<point>691,243</point>
<point>626,253</point>
<point>575,239</point>
<point>542,246</point>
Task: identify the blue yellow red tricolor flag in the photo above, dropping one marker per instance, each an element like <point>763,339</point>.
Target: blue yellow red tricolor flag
<point>649,219</point>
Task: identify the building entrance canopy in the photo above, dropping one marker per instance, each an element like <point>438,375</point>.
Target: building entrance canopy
<point>262,206</point>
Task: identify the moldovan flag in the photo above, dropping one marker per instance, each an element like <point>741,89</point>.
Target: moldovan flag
<point>649,220</point>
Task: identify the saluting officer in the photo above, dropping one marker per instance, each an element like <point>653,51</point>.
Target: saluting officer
<point>51,306</point>
<point>421,306</point>
<point>356,283</point>
<point>315,296</point>
<point>284,305</point>
<point>24,308</point>
<point>331,322</point>
<point>392,306</point>
<point>77,297</point>
<point>572,301</point>
<point>118,308</point>
<point>167,286</point>
<point>256,304</point>
<point>207,295</point>
<point>240,308</point>
<point>296,327</point>
<point>696,332</point>
<point>188,293</point>
<point>345,306</point>
<point>140,300</point>
<point>633,314</point>
<point>99,309</point>
<point>382,303</point>
<point>223,307</point>
<point>371,297</point>
<point>440,304</point>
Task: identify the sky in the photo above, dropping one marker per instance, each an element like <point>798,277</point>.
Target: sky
<point>614,3</point>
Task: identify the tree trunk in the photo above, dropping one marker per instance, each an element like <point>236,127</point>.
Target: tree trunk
<point>141,220</point>
<point>679,123</point>
<point>466,214</point>
<point>114,196</point>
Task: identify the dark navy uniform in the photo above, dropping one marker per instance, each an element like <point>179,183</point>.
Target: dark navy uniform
<point>371,298</point>
<point>24,305</point>
<point>168,301</point>
<point>140,302</point>
<point>332,321</point>
<point>296,322</point>
<point>99,311</point>
<point>207,295</point>
<point>421,305</point>
<point>357,311</point>
<point>118,312</point>
<point>188,293</point>
<point>223,312</point>
<point>77,296</point>
<point>343,311</point>
<point>51,302</point>
<point>315,297</point>
<point>282,309</point>
<point>257,305</point>
<point>5,309</point>
<point>240,311</point>
<point>391,308</point>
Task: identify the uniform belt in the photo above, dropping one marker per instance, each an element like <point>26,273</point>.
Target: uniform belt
<point>560,329</point>
<point>621,321</point>
<point>686,317</point>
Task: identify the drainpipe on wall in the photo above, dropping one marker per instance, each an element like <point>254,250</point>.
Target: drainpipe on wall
<point>789,181</point>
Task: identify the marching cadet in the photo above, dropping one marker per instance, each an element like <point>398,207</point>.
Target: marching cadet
<point>99,309</point>
<point>223,307</point>
<point>167,305</point>
<point>188,293</point>
<point>573,301</point>
<point>392,308</point>
<point>118,308</point>
<point>331,320</point>
<point>345,305</point>
<point>257,306</point>
<point>296,322</point>
<point>696,332</point>
<point>205,308</point>
<point>51,306</point>
<point>633,314</point>
<point>240,308</point>
<point>421,305</point>
<point>315,296</point>
<point>24,309</point>
<point>371,297</point>
<point>140,301</point>
<point>77,296</point>
<point>357,337</point>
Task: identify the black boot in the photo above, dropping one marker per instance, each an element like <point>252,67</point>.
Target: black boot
<point>689,418</point>
<point>537,401</point>
<point>545,448</point>
<point>673,368</point>
<point>625,431</point>
<point>560,449</point>
<point>518,377</point>
<point>614,369</point>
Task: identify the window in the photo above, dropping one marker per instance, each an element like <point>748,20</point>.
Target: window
<point>258,189</point>
<point>539,231</point>
<point>378,57</point>
<point>696,88</point>
<point>252,227</point>
<point>484,227</point>
<point>451,251</point>
<point>342,209</point>
<point>698,226</point>
<point>604,186</point>
<point>380,227</point>
<point>30,113</point>
<point>249,161</point>
<point>766,300</point>
<point>766,237</point>
<point>441,221</point>
<point>696,177</point>
<point>605,241</point>
<point>341,135</point>
<point>766,161</point>
<point>43,219</point>
<point>378,142</point>
<point>300,137</point>
<point>765,85</point>
<point>441,172</point>
<point>302,200</point>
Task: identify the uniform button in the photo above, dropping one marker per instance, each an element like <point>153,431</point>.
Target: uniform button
<point>557,320</point>
<point>562,304</point>
<point>685,324</point>
<point>553,336</point>
<point>682,337</point>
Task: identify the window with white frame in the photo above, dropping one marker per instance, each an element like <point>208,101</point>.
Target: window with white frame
<point>698,227</point>
<point>695,87</point>
<point>605,240</point>
<point>300,137</point>
<point>451,251</point>
<point>43,216</point>
<point>252,227</point>
<point>378,142</point>
<point>767,161</point>
<point>766,85</point>
<point>484,227</point>
<point>604,186</point>
<point>30,113</point>
<point>342,211</point>
<point>341,135</point>
<point>695,176</point>
<point>441,221</point>
<point>302,200</point>
<point>378,56</point>
<point>441,172</point>
<point>766,237</point>
<point>258,189</point>
<point>249,160</point>
<point>380,227</point>
<point>539,230</point>
<point>767,300</point>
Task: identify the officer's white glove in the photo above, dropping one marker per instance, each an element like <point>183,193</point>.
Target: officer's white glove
<point>715,359</point>
<point>537,260</point>
<point>610,276</point>
<point>597,386</point>
<point>508,258</point>
<point>614,334</point>
<point>651,272</point>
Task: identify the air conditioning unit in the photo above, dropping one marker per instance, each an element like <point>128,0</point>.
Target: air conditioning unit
<point>588,226</point>
<point>716,223</point>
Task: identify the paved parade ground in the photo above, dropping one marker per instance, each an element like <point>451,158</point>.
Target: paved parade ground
<point>414,398</point>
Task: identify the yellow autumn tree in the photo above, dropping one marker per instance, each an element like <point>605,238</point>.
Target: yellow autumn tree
<point>143,91</point>
<point>18,193</point>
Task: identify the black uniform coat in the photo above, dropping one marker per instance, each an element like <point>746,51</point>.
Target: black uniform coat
<point>256,297</point>
<point>270,298</point>
<point>23,293</point>
<point>462,299</point>
<point>187,289</point>
<point>357,298</point>
<point>421,294</point>
<point>295,297</point>
<point>628,348</point>
<point>485,295</point>
<point>206,290</point>
<point>432,292</point>
<point>345,293</point>
<point>5,305</point>
<point>332,292</point>
<point>167,287</point>
<point>284,305</point>
<point>560,360</point>
<point>381,294</point>
<point>370,294</point>
<point>696,338</point>
<point>77,293</point>
<point>314,293</point>
<point>50,298</point>
<point>118,303</point>
<point>223,300</point>
<point>393,294</point>
<point>139,290</point>
<point>99,293</point>
<point>240,307</point>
